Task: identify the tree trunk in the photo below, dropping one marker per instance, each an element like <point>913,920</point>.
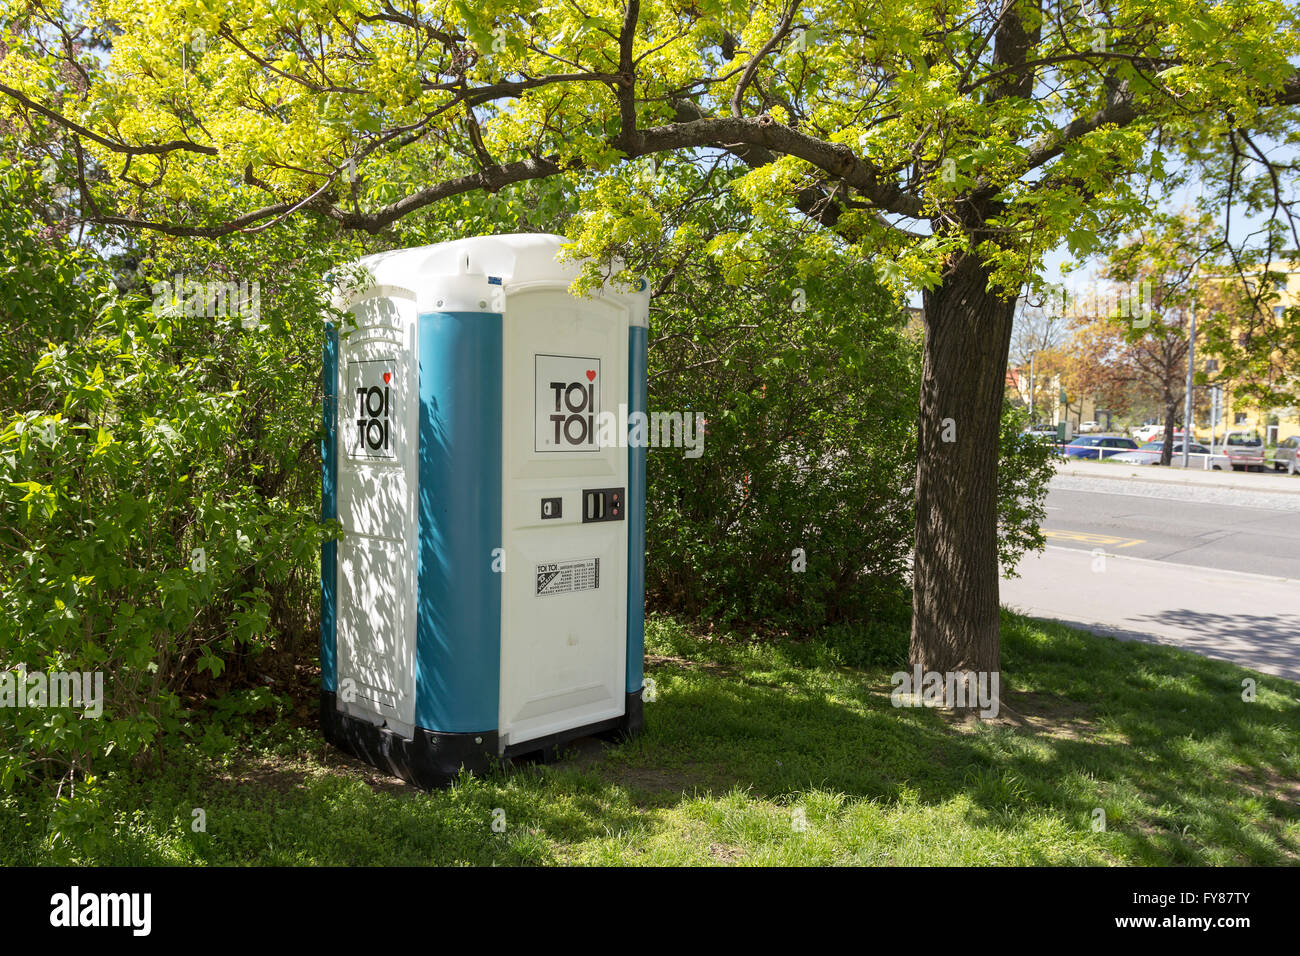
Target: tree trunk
<point>955,625</point>
<point>1171,411</point>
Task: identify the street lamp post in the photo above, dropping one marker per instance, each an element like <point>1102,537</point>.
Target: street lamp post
<point>1032,419</point>
<point>1191,360</point>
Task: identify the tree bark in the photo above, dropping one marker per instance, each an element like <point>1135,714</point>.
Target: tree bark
<point>955,609</point>
<point>1171,412</point>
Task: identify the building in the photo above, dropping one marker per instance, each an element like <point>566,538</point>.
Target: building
<point>1274,424</point>
<point>1049,408</point>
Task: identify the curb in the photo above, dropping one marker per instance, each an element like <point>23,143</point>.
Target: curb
<point>1121,475</point>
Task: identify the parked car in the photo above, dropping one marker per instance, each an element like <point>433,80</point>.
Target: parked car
<point>1147,433</point>
<point>1287,455</point>
<point>1244,449</point>
<point>1149,454</point>
<point>1049,433</point>
<point>1089,428</point>
<point>1098,446</point>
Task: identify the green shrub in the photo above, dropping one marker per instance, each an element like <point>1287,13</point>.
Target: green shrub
<point>159,494</point>
<point>797,513</point>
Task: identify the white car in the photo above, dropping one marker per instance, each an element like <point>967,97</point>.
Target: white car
<point>1149,454</point>
<point>1146,433</point>
<point>1245,449</point>
<point>1287,456</point>
<point>1086,428</point>
<point>1149,433</point>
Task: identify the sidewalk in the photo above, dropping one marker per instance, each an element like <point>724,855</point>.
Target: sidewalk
<point>1269,481</point>
<point>1249,619</point>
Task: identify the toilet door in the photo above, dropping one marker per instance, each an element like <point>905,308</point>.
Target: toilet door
<point>377,461</point>
<point>564,590</point>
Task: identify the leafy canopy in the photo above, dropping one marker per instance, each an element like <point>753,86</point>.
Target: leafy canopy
<point>917,129</point>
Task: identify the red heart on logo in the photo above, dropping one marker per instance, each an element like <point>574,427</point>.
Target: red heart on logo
<point>388,377</point>
<point>591,376</point>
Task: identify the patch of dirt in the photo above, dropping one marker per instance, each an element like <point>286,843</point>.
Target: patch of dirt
<point>1040,714</point>
<point>656,660</point>
<point>727,854</point>
<point>285,775</point>
<point>1043,715</point>
<point>271,773</point>
<point>675,781</point>
<point>1268,784</point>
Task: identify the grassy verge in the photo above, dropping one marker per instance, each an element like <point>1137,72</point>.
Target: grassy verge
<point>774,754</point>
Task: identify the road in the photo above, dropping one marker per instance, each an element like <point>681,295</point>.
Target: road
<point>1171,563</point>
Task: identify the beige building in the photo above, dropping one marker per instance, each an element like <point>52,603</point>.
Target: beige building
<point>1048,407</point>
<point>1274,424</point>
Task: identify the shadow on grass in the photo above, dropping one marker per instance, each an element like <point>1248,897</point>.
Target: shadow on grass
<point>1185,770</point>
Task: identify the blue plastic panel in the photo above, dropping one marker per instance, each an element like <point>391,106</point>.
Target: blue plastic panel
<point>458,605</point>
<point>329,511</point>
<point>637,347</point>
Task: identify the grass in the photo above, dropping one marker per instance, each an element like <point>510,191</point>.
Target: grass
<point>773,754</point>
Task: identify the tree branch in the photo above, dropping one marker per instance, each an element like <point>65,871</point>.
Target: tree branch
<point>150,149</point>
<point>752,66</point>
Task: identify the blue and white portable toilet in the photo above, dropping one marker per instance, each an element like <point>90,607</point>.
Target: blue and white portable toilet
<point>485,596</point>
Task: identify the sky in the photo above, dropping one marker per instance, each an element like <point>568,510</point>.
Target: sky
<point>1240,225</point>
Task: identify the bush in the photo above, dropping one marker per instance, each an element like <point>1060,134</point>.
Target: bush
<point>798,512</point>
<point>159,494</point>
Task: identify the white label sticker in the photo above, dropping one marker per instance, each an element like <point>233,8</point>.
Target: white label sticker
<point>368,424</point>
<point>567,403</point>
<point>564,577</point>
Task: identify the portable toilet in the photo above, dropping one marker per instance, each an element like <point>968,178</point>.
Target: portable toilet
<point>485,596</point>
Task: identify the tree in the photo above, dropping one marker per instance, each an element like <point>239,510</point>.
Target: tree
<point>1254,338</point>
<point>954,142</point>
<point>1037,334</point>
<point>1111,359</point>
<point>1096,363</point>
<point>1140,338</point>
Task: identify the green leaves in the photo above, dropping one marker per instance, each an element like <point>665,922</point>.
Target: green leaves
<point>158,489</point>
<point>1042,152</point>
<point>42,497</point>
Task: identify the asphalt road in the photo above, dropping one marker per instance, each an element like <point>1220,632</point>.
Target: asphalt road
<point>1156,564</point>
<point>1228,537</point>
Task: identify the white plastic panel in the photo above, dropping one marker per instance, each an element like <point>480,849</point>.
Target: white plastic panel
<point>563,632</point>
<point>378,449</point>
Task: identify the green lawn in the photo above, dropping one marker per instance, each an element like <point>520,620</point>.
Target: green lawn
<point>745,738</point>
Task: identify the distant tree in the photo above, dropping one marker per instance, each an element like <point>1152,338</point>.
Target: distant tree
<point>1253,336</point>
<point>1137,336</point>
<point>1092,363</point>
<point>1039,331</point>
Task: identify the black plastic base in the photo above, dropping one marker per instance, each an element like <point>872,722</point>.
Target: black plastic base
<point>427,760</point>
<point>432,759</point>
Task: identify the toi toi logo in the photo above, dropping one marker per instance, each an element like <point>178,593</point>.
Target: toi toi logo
<point>567,403</point>
<point>372,416</point>
<point>374,385</point>
<point>575,421</point>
